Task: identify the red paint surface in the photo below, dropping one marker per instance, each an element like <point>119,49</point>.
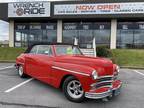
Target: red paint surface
<point>39,66</point>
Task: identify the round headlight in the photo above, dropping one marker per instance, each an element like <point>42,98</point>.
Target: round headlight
<point>94,75</point>
<point>117,68</point>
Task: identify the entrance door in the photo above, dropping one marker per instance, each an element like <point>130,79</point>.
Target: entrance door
<point>85,39</point>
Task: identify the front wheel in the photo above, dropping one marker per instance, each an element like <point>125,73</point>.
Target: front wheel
<point>21,72</point>
<point>73,90</point>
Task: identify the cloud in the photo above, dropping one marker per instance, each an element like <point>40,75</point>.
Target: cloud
<point>4,30</point>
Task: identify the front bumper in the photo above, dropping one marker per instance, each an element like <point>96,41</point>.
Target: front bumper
<point>111,91</point>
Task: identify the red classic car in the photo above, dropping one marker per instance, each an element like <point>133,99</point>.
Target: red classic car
<point>65,67</point>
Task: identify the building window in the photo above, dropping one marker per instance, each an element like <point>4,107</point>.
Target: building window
<point>27,34</point>
<point>102,33</point>
<point>21,35</point>
<point>130,35</point>
<point>85,32</point>
<point>70,31</point>
<point>50,33</point>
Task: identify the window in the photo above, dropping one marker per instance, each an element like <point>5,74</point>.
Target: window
<point>27,34</point>
<point>70,31</point>
<point>130,35</point>
<point>34,50</point>
<point>67,50</point>
<point>44,49</point>
<point>102,33</point>
<point>85,32</point>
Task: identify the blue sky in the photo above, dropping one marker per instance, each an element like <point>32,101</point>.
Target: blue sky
<point>4,30</point>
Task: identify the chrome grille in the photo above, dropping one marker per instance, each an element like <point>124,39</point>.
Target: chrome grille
<point>103,81</point>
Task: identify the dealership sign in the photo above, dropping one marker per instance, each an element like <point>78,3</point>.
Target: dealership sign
<point>29,9</point>
<point>99,8</point>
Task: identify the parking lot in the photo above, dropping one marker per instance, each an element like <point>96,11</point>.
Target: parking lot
<point>16,92</point>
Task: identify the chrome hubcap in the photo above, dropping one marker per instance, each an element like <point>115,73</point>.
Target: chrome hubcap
<point>74,89</point>
<point>20,70</point>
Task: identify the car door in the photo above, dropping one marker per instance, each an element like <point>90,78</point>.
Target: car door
<point>31,62</point>
<point>45,59</point>
<point>40,63</point>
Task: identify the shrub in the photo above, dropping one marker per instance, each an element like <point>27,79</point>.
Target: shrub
<point>103,51</point>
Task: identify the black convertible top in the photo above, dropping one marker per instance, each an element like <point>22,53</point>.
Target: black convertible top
<point>31,46</point>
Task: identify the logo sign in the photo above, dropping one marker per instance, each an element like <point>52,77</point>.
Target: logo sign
<point>29,9</point>
<point>99,8</point>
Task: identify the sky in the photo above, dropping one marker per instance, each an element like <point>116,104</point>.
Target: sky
<point>4,30</point>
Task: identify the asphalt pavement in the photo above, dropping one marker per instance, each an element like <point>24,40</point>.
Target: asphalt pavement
<point>16,92</point>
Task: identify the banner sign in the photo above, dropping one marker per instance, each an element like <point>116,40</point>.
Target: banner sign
<point>99,8</point>
<point>29,9</point>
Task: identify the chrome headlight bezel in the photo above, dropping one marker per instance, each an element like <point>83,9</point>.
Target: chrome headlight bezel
<point>94,74</point>
<point>117,69</point>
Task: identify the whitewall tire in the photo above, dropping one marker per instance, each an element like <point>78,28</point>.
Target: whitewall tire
<point>21,72</point>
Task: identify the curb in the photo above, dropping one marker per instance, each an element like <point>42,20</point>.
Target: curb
<point>7,61</point>
<point>131,67</point>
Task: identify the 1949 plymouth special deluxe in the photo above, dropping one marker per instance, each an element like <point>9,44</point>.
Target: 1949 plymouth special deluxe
<point>65,67</point>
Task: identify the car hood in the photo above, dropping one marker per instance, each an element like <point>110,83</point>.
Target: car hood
<point>102,65</point>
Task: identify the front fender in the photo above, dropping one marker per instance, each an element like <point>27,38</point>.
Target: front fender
<point>82,73</point>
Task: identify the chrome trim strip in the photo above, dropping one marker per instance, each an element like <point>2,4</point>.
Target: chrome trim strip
<point>101,95</point>
<point>98,95</point>
<point>105,76</point>
<point>59,68</point>
<point>94,84</point>
<point>110,86</point>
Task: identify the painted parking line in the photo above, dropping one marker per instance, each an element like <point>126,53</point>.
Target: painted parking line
<point>7,67</point>
<point>139,72</point>
<point>17,86</point>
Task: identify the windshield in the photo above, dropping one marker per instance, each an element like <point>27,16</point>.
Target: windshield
<point>67,50</point>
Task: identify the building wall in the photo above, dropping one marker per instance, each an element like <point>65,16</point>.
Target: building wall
<point>11,33</point>
<point>113,18</point>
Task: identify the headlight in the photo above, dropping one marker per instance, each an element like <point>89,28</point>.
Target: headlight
<point>94,75</point>
<point>117,68</point>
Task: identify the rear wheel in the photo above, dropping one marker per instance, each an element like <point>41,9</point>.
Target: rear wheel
<point>73,89</point>
<point>21,72</point>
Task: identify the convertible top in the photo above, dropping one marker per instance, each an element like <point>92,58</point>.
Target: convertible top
<point>31,46</point>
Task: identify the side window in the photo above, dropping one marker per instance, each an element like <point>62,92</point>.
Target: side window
<point>50,52</point>
<point>44,49</point>
<point>34,50</point>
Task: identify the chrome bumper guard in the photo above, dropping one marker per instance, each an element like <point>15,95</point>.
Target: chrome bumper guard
<point>111,92</point>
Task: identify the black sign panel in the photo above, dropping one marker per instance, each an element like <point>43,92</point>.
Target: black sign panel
<point>21,26</point>
<point>85,26</point>
<point>139,25</point>
<point>130,25</point>
<point>35,26</point>
<point>102,25</point>
<point>70,26</point>
<point>126,25</point>
<point>49,26</point>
